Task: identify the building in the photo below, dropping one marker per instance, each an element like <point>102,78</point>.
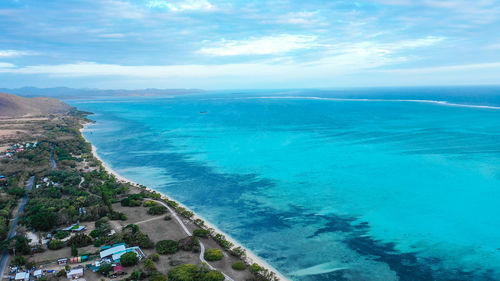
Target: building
<point>114,253</point>
<point>118,270</point>
<point>22,276</point>
<point>75,228</point>
<point>38,273</point>
<point>75,273</point>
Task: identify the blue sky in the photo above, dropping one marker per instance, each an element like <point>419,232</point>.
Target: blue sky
<point>214,44</point>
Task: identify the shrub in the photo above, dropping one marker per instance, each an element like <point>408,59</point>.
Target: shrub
<point>184,212</point>
<point>55,244</point>
<point>238,265</point>
<point>137,275</point>
<point>184,272</point>
<point>61,273</point>
<point>238,251</point>
<point>167,217</point>
<point>149,203</point>
<point>255,268</point>
<point>155,257</point>
<point>201,233</point>
<point>212,275</point>
<point>157,210</point>
<point>167,247</point>
<point>149,265</point>
<point>158,277</point>
<point>221,240</point>
<point>129,259</point>
<point>213,255</point>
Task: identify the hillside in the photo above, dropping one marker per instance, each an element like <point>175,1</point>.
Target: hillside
<point>16,106</point>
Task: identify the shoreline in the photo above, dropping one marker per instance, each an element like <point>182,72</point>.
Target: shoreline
<point>250,256</point>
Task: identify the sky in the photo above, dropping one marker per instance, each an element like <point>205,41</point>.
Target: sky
<point>250,44</point>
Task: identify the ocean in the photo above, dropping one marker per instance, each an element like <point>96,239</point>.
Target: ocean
<point>355,184</point>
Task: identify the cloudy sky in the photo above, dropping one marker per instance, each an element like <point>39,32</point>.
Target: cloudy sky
<point>216,44</point>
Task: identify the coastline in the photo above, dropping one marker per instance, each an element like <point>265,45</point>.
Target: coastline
<point>250,256</point>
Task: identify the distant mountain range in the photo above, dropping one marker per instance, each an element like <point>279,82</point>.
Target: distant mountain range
<point>16,106</point>
<point>71,93</point>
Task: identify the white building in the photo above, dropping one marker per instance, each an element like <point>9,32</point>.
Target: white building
<point>75,273</point>
<point>22,276</point>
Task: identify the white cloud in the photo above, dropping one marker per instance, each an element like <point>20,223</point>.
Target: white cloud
<point>260,46</point>
<point>179,6</point>
<point>15,53</point>
<point>448,68</point>
<point>298,18</point>
<point>6,65</point>
<point>341,59</point>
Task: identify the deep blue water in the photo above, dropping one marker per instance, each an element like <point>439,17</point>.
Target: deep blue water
<point>326,189</point>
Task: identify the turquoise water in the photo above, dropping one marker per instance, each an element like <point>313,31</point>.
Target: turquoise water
<point>323,189</point>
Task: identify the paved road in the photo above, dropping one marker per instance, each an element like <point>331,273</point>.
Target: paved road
<point>52,160</point>
<point>12,233</point>
<point>202,250</point>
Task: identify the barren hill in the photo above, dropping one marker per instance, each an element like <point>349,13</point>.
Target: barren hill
<point>16,106</point>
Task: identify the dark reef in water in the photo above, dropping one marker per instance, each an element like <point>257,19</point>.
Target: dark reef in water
<point>192,175</point>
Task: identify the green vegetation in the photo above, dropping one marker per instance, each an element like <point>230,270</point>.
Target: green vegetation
<point>129,259</point>
<point>166,247</point>
<point>221,240</point>
<point>55,244</point>
<point>149,265</point>
<point>201,233</point>
<point>149,203</point>
<point>213,255</point>
<point>190,272</point>
<point>184,212</point>
<point>74,250</point>
<point>157,210</point>
<point>105,269</point>
<point>18,260</point>
<point>155,257</point>
<point>60,234</point>
<point>238,265</point>
<point>133,200</point>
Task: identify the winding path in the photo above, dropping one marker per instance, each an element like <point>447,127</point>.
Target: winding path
<point>52,160</point>
<point>186,230</point>
<point>12,233</point>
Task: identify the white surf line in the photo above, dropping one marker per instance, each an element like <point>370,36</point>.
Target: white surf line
<point>186,230</point>
<point>251,257</point>
<point>437,102</point>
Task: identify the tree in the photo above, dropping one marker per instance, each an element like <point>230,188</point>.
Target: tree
<point>213,255</point>
<point>129,259</point>
<point>105,269</point>
<point>55,244</point>
<point>167,247</point>
<point>74,250</point>
<point>18,260</point>
<point>22,245</point>
<point>43,220</point>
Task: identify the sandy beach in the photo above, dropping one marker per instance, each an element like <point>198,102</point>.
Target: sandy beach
<point>251,257</point>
